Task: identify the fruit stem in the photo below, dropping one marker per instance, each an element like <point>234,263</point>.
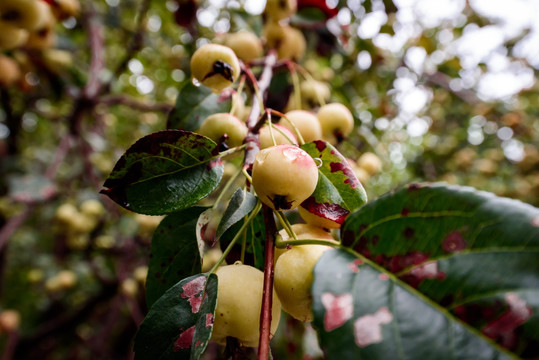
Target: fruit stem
<point>281,244</point>
<point>238,92</point>
<point>236,237</point>
<point>295,83</point>
<point>286,225</point>
<point>270,126</point>
<point>267,295</point>
<point>301,141</point>
<point>246,174</point>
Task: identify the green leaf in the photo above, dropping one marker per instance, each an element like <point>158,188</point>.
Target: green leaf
<point>174,253</point>
<point>338,191</point>
<point>165,172</point>
<point>471,252</point>
<point>180,323</point>
<point>361,312</point>
<point>193,105</point>
<point>241,204</point>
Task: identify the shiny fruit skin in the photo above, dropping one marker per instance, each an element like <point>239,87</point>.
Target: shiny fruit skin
<point>215,66</point>
<point>217,125</point>
<point>284,176</point>
<point>306,122</point>
<point>239,300</point>
<point>266,140</point>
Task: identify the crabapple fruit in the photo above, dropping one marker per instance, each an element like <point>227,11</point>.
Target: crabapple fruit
<point>12,37</point>
<point>24,14</point>
<point>284,176</point>
<point>10,71</point>
<point>218,125</point>
<point>336,120</point>
<point>280,9</point>
<point>370,162</point>
<point>245,44</point>
<point>215,66</point>
<point>314,93</point>
<point>239,301</point>
<point>280,133</point>
<point>286,40</point>
<point>294,277</point>
<point>303,232</point>
<point>307,124</point>
<point>317,220</point>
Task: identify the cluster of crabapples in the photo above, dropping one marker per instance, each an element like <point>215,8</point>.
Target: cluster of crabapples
<point>283,175</point>
<point>26,27</point>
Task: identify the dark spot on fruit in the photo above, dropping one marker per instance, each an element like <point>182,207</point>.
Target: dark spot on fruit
<point>12,15</point>
<point>279,202</point>
<point>223,69</point>
<point>282,4</point>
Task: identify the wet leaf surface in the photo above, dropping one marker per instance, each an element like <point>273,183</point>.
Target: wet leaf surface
<point>362,312</point>
<point>174,253</point>
<point>180,323</point>
<point>165,172</point>
<point>468,251</point>
<point>338,192</point>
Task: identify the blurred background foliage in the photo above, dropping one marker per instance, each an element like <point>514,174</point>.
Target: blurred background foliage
<point>440,91</point>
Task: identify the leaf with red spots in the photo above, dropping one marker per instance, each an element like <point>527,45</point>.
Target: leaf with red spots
<point>180,323</point>
<point>462,248</point>
<point>363,312</point>
<point>164,172</point>
<point>193,105</point>
<point>338,191</point>
<point>174,253</point>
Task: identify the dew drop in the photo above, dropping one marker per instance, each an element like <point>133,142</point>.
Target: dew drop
<point>318,162</point>
<point>195,82</point>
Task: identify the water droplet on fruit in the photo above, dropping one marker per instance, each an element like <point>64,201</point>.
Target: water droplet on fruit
<point>195,82</point>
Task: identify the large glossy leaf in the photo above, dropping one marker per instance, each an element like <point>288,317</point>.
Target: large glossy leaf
<point>180,323</point>
<point>174,253</point>
<point>473,253</point>
<point>193,105</point>
<point>338,191</point>
<point>165,172</point>
<point>361,312</point>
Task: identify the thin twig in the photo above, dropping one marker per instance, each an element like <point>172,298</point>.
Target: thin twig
<point>267,295</point>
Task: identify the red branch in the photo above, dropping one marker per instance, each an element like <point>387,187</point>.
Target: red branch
<point>267,296</point>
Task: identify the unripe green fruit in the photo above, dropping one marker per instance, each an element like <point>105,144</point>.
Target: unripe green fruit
<point>279,133</point>
<point>284,176</point>
<point>246,45</point>
<point>280,9</point>
<point>12,37</point>
<point>293,279</point>
<point>239,300</point>
<point>307,124</point>
<point>336,120</point>
<point>92,207</point>
<point>286,40</point>
<point>215,66</point>
<point>370,162</point>
<point>25,14</point>
<point>217,125</point>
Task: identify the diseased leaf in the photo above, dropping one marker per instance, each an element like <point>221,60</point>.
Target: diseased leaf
<point>471,252</point>
<point>193,105</point>
<point>362,312</point>
<point>180,323</point>
<point>338,191</point>
<point>174,253</point>
<point>165,172</point>
<point>241,204</point>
